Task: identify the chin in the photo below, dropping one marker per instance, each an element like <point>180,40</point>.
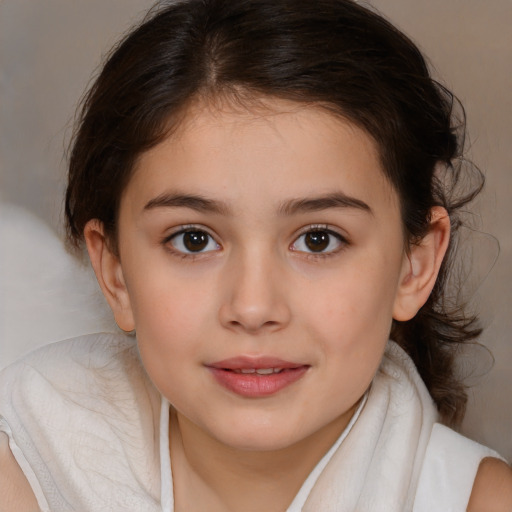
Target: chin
<point>259,443</point>
<point>258,437</point>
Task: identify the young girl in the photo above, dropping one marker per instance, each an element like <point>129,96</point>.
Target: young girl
<point>267,192</point>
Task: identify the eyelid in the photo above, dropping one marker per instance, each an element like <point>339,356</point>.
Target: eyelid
<point>185,228</point>
<point>343,240</point>
<point>331,230</point>
<point>322,227</point>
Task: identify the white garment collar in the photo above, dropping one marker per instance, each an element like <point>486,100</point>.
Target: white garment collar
<point>167,494</point>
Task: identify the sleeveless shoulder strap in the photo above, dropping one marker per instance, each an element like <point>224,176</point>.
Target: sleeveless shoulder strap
<point>449,470</point>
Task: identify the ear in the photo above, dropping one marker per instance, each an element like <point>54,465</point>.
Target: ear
<point>109,273</point>
<point>421,266</point>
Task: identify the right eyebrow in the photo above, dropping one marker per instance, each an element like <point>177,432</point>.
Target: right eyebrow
<point>192,201</point>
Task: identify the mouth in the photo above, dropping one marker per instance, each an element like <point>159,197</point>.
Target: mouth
<point>259,371</point>
<point>256,377</point>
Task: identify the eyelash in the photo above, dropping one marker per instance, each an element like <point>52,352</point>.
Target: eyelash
<point>318,228</point>
<point>322,228</point>
<point>167,242</point>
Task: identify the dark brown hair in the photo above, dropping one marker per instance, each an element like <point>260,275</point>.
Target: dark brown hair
<point>335,53</point>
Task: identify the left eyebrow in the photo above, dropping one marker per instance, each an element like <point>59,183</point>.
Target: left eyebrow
<point>315,204</point>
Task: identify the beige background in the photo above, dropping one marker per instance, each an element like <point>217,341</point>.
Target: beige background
<point>49,48</point>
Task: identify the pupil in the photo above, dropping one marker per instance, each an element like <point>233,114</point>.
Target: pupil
<point>195,240</point>
<point>317,241</point>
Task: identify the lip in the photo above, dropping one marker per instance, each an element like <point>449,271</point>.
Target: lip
<point>254,385</point>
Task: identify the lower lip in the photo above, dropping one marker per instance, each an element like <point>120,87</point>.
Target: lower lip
<point>253,385</point>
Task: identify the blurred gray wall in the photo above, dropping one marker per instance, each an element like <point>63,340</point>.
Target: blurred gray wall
<point>49,49</point>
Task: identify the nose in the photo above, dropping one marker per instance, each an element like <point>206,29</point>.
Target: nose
<point>255,299</point>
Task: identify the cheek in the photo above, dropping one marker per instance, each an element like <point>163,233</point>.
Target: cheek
<point>357,300</point>
<point>171,323</point>
<point>172,316</point>
<point>162,294</point>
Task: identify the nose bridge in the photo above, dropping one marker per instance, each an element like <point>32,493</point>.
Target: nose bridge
<point>255,299</point>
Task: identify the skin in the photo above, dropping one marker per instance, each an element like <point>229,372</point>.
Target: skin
<point>15,491</point>
<point>257,289</point>
<point>492,490</point>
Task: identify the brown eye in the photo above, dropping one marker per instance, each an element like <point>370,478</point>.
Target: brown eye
<point>319,241</point>
<point>193,241</point>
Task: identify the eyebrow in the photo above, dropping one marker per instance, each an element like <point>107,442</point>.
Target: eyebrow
<point>290,207</point>
<point>315,204</point>
<point>194,202</point>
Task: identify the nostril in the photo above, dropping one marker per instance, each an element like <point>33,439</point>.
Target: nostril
<point>252,312</point>
<point>254,327</point>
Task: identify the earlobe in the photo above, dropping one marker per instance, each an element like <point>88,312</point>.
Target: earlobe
<point>109,273</point>
<point>421,266</point>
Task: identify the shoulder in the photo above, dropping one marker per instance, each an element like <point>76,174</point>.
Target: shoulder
<point>457,471</point>
<point>82,376</point>
<point>15,491</point>
<point>84,416</point>
<point>67,366</point>
<point>492,489</point>
<point>62,359</point>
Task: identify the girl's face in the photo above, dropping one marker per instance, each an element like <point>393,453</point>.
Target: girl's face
<point>261,263</point>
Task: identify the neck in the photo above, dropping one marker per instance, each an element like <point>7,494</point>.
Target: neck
<point>209,475</point>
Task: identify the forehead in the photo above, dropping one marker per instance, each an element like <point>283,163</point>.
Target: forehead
<point>273,148</point>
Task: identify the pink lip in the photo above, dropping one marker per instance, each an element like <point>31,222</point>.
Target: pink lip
<point>256,362</point>
<point>253,385</point>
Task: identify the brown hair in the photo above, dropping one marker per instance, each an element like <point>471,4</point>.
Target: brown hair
<point>333,52</point>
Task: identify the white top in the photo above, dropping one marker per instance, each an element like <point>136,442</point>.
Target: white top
<point>90,432</point>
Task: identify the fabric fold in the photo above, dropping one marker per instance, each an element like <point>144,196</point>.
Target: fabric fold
<point>86,418</point>
<point>377,467</point>
<point>90,432</point>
